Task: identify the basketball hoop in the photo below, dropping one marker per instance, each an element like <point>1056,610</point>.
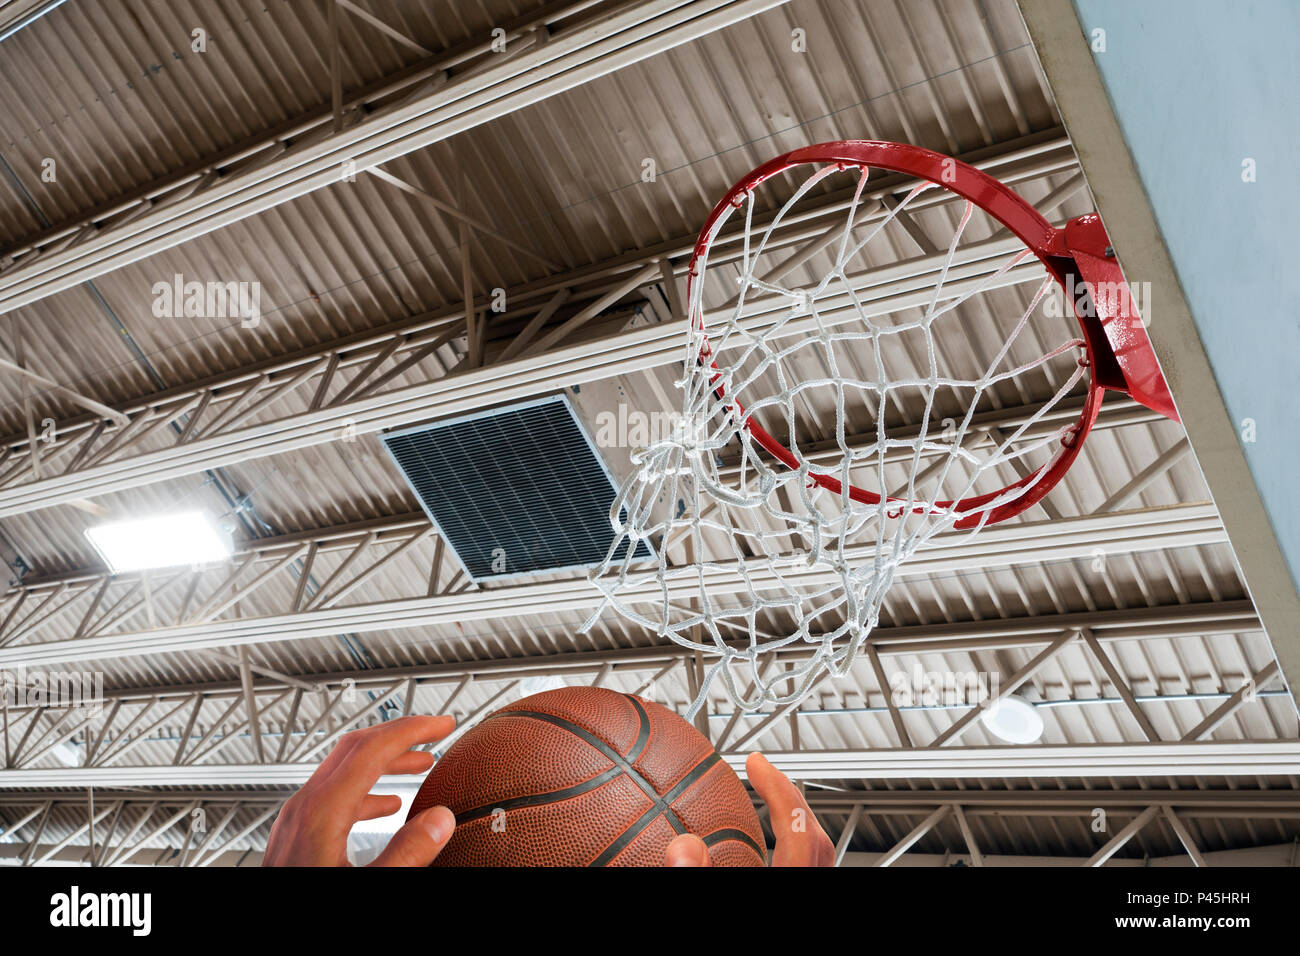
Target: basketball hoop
<point>769,544</point>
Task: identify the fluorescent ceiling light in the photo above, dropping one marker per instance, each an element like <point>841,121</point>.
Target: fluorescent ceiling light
<point>163,541</point>
<point>1014,720</point>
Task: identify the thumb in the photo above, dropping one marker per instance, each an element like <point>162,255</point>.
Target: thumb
<point>420,840</point>
<point>688,850</point>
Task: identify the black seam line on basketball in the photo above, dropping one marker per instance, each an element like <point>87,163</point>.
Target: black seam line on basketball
<point>643,737</point>
<point>698,771</point>
<point>513,803</point>
<point>617,758</point>
<point>635,830</point>
<point>626,837</point>
<point>721,836</point>
<point>646,818</point>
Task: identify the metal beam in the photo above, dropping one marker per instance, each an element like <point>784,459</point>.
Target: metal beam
<point>1121,685</point>
<point>1263,855</point>
<point>381,26</point>
<point>1143,479</point>
<point>972,847</point>
<point>873,655</point>
<point>1026,805</point>
<point>1116,843</point>
<point>16,15</point>
<point>1246,758</point>
<point>920,830</point>
<point>1184,836</point>
<point>1027,801</point>
<point>250,702</point>
<point>1039,800</point>
<point>1000,546</point>
<point>846,835</point>
<point>1230,706</point>
<point>62,391</point>
<point>415,79</point>
<point>1233,759</point>
<point>460,215</point>
<point>1190,621</point>
<point>486,89</point>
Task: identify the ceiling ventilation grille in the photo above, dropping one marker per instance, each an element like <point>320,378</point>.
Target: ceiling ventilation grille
<point>515,490</point>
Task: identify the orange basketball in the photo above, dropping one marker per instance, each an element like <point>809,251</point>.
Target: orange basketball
<point>584,776</point>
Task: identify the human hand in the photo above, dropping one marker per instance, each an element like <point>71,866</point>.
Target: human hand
<point>800,839</point>
<point>313,825</point>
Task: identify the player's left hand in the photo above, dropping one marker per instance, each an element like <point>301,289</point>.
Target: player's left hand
<point>313,825</point>
<point>800,839</point>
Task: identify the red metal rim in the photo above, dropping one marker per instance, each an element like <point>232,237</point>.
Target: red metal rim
<point>998,200</point>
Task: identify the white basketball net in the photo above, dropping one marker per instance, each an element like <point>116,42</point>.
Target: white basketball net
<point>753,557</point>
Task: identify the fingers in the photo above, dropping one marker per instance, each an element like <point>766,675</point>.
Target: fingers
<point>410,761</point>
<point>373,748</point>
<point>688,850</point>
<point>363,756</point>
<point>784,801</point>
<point>382,805</point>
<point>825,855</point>
<point>420,841</point>
<point>376,805</point>
<point>800,839</point>
<point>313,825</point>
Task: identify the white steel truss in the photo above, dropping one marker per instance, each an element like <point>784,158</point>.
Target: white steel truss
<point>1231,759</point>
<point>458,95</point>
<point>194,828</point>
<point>125,829</point>
<point>288,723</point>
<point>105,616</point>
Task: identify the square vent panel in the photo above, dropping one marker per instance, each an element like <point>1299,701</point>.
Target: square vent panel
<point>515,490</point>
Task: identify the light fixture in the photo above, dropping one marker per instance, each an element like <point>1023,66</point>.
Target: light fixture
<point>1014,720</point>
<point>67,753</point>
<point>163,541</point>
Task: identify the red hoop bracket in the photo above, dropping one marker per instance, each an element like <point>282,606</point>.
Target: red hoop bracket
<point>1115,308</point>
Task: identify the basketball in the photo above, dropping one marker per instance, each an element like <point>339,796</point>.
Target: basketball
<point>584,776</point>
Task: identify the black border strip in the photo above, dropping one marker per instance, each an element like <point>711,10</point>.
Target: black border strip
<point>577,790</point>
<point>722,836</point>
<point>617,758</point>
